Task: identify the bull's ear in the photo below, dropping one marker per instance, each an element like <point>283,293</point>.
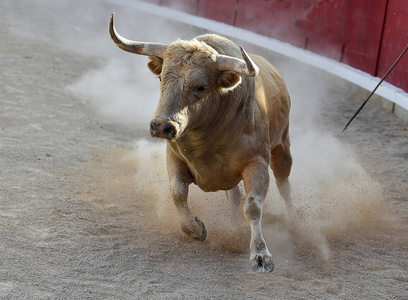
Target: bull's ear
<point>228,80</point>
<point>155,65</point>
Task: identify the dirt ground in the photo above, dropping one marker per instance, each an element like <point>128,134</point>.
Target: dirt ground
<point>84,211</point>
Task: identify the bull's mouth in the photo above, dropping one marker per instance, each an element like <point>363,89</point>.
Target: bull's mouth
<point>170,138</point>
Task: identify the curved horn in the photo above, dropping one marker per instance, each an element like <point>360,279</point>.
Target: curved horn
<point>245,67</point>
<point>150,49</point>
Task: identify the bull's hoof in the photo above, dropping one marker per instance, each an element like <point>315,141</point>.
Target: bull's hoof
<point>198,233</point>
<point>203,235</point>
<point>262,264</point>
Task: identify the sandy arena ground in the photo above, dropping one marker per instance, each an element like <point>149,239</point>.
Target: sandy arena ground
<point>84,207</point>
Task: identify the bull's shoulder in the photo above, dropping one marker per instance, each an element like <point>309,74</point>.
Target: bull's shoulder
<point>272,95</point>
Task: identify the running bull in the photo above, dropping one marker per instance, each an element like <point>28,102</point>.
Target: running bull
<point>223,124</point>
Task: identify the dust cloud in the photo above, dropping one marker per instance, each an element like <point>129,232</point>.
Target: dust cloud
<point>334,197</point>
<point>120,99</point>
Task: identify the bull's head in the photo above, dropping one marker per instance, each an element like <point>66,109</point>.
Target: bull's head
<point>190,72</point>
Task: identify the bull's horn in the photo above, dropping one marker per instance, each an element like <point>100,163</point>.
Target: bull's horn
<point>246,67</point>
<point>150,49</point>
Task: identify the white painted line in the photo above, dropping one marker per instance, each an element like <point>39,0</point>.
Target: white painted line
<point>358,77</point>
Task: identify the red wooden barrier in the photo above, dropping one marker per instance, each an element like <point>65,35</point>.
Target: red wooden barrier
<point>221,11</point>
<point>394,39</point>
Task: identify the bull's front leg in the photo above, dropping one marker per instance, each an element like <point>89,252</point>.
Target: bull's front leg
<point>234,196</point>
<point>192,226</point>
<point>256,180</point>
<point>180,179</point>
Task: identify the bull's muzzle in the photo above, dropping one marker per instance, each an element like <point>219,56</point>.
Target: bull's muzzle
<point>163,129</point>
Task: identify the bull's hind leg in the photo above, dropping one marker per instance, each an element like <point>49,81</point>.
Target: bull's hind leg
<point>180,179</point>
<point>256,180</point>
<point>281,164</point>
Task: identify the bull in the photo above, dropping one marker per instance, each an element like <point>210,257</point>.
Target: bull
<point>223,124</point>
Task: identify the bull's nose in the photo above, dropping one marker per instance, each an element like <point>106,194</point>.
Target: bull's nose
<point>162,129</point>
<point>153,128</point>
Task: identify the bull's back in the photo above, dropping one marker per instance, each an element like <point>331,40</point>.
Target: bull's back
<point>273,98</point>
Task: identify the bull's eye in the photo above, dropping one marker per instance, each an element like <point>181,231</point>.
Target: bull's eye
<point>199,89</point>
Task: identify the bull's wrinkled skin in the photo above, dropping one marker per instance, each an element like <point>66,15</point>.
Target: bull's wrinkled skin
<point>223,126</point>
